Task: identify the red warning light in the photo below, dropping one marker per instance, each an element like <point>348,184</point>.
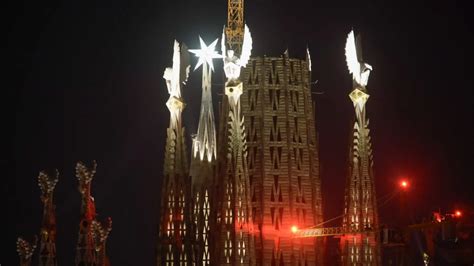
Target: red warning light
<point>458,213</point>
<point>404,184</point>
<point>294,229</point>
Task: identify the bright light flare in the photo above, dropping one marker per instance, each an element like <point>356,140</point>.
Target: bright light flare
<point>404,184</point>
<point>294,229</point>
<point>458,213</point>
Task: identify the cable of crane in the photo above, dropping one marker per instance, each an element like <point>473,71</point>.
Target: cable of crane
<point>388,197</point>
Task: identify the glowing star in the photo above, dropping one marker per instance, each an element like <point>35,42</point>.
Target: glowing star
<point>360,70</point>
<point>206,54</point>
<point>204,144</point>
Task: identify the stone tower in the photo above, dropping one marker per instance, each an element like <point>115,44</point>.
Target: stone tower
<point>283,164</point>
<point>361,247</point>
<point>174,246</point>
<point>47,251</point>
<point>203,162</point>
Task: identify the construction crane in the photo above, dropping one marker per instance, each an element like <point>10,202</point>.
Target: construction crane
<point>325,231</point>
<point>235,25</point>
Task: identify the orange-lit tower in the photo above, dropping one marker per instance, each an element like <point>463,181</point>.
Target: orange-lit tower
<point>361,247</point>
<point>25,250</point>
<point>85,249</point>
<point>47,252</point>
<point>174,247</point>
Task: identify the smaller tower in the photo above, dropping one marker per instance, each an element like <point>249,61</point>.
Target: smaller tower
<point>100,233</point>
<point>47,183</point>
<point>85,249</point>
<point>203,159</point>
<point>25,250</point>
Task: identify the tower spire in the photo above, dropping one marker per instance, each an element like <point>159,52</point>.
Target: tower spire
<point>173,243</point>
<point>47,183</point>
<point>235,242</point>
<point>25,250</point>
<point>85,249</point>
<point>203,159</point>
<point>362,247</point>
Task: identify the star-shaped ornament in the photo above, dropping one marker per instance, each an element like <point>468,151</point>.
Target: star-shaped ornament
<point>205,54</point>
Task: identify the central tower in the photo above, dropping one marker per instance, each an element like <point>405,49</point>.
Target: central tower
<point>283,163</point>
<point>362,247</point>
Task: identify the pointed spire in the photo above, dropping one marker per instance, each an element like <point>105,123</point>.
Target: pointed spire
<point>47,183</point>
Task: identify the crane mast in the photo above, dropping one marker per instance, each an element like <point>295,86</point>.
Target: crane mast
<point>235,25</point>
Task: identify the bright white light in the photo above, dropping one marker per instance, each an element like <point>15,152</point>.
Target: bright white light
<point>206,54</point>
<point>232,63</point>
<point>360,71</point>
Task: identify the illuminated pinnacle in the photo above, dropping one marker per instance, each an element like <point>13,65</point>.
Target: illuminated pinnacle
<point>47,182</point>
<point>206,54</point>
<point>26,249</point>
<point>359,98</point>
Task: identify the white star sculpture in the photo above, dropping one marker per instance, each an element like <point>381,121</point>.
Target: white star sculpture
<point>206,54</point>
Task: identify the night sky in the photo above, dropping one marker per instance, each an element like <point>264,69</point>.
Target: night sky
<point>85,82</point>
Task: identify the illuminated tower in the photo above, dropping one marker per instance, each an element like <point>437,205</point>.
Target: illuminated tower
<point>283,163</point>
<point>25,250</point>
<point>203,160</point>
<point>85,249</point>
<point>235,242</point>
<point>47,252</point>
<point>173,242</point>
<point>361,247</point>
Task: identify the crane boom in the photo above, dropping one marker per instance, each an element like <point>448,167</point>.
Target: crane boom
<point>326,231</point>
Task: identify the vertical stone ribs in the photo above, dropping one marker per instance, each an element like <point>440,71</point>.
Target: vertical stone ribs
<point>361,207</point>
<point>283,161</point>
<point>235,244</point>
<point>174,247</point>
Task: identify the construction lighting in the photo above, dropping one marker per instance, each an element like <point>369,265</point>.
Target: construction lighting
<point>294,229</point>
<point>404,184</point>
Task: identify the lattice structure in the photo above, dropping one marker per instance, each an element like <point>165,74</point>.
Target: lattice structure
<point>100,233</point>
<point>85,249</point>
<point>235,25</point>
<point>25,250</point>
<point>283,163</point>
<point>360,200</point>
<point>47,252</point>
<point>174,243</point>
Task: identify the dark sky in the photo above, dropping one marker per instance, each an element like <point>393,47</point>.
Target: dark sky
<point>85,82</point>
